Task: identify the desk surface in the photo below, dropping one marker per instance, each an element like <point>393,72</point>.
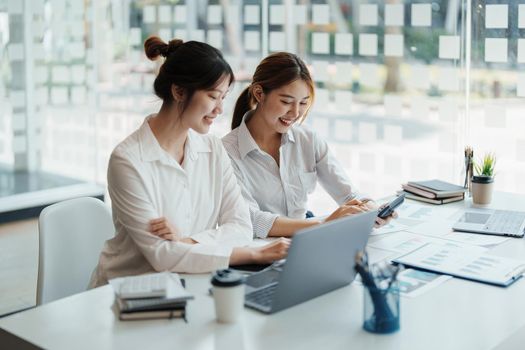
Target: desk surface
<point>455,315</point>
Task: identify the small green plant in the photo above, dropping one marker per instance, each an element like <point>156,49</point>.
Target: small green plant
<point>486,166</point>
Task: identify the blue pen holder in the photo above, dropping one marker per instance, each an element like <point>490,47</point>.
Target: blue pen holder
<point>381,309</point>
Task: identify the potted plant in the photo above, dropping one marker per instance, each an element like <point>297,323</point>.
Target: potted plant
<point>483,181</point>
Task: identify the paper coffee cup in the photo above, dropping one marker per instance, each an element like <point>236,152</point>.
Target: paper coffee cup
<point>228,294</point>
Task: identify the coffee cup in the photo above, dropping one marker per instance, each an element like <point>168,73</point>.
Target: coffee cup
<point>228,293</point>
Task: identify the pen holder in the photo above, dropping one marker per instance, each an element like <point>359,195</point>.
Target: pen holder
<point>381,309</point>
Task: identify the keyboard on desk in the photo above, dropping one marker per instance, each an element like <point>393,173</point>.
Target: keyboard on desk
<point>505,221</point>
<point>262,297</point>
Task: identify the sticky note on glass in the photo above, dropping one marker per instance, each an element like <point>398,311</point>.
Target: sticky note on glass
<point>41,74</point>
<point>394,15</point>
<point>252,40</point>
<point>215,38</point>
<point>300,14</point>
<point>420,77</point>
<point>277,13</point>
<point>495,116</point>
<point>521,16</point>
<point>61,74</point>
<point>320,43</point>
<point>165,34</point>
<point>393,134</point>
<point>520,89</point>
<point>59,95</point>
<point>448,79</point>
<point>321,14</point>
<point>421,15</point>
<point>15,51</point>
<point>78,95</point>
<point>149,14</point>
<point>214,14</point>
<point>368,15</point>
<point>420,107</point>
<point>344,44</point>
<point>17,98</point>
<point>496,50</point>
<point>368,44</point>
<point>343,130</point>
<point>197,35</point>
<point>521,50</point>
<point>496,16</point>
<point>180,14</point>
<point>277,41</point>
<point>448,111</point>
<point>394,45</point>
<point>367,132</point>
<point>78,74</point>
<point>165,14</point>
<point>449,47</point>
<point>135,36</point>
<point>252,14</point>
<point>19,144</point>
<point>321,125</point>
<point>320,71</point>
<point>393,106</point>
<point>343,100</point>
<point>322,98</point>
<point>343,74</point>
<point>369,75</point>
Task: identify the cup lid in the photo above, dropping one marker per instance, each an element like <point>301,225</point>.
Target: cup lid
<point>227,278</point>
<point>482,179</point>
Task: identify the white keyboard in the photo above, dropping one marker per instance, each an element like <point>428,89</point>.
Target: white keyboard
<point>505,221</point>
<point>144,286</point>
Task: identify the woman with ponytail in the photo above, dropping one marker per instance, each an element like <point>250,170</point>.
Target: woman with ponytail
<point>175,199</point>
<point>277,160</point>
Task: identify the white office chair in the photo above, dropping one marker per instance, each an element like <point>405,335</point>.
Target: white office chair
<point>71,236</point>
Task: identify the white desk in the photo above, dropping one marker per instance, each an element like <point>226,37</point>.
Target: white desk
<point>456,315</point>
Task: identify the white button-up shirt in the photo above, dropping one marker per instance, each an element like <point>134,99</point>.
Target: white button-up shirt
<point>273,190</point>
<point>201,198</point>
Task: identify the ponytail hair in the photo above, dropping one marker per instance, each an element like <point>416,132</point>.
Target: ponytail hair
<point>190,65</point>
<point>244,104</point>
<point>275,71</point>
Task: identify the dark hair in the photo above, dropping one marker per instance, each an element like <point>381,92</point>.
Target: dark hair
<point>189,65</point>
<point>276,70</point>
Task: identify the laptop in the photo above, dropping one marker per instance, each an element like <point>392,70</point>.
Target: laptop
<point>320,259</point>
<point>492,222</point>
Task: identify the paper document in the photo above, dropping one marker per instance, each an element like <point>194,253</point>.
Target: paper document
<point>465,263</point>
<point>413,283</point>
<point>396,225</point>
<point>443,229</point>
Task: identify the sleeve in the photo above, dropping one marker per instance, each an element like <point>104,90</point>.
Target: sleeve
<point>234,226</point>
<point>262,221</point>
<point>331,174</point>
<point>133,209</point>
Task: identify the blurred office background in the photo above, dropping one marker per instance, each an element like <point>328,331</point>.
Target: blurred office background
<point>402,86</point>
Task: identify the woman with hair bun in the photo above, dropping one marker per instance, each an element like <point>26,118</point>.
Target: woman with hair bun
<point>277,160</point>
<point>175,199</point>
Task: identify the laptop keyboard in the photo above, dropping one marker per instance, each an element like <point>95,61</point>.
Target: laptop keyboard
<point>263,296</point>
<point>505,221</point>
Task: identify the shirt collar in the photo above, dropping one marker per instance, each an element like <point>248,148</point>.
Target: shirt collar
<point>151,150</point>
<point>246,142</point>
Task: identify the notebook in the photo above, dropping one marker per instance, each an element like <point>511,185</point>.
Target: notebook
<point>320,259</point>
<point>492,222</point>
<point>435,188</point>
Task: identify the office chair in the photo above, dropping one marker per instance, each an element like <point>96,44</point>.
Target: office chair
<point>71,236</point>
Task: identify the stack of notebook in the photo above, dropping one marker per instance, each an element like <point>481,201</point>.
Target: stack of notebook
<point>433,191</point>
<point>150,296</point>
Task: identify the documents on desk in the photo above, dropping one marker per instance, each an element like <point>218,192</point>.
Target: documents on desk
<point>465,263</point>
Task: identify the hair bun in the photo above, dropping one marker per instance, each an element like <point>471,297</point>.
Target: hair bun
<point>155,47</point>
<point>172,46</point>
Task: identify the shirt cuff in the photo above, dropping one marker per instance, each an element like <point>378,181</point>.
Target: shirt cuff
<point>262,223</point>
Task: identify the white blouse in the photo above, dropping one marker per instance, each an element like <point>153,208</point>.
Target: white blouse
<point>273,190</point>
<point>201,198</point>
